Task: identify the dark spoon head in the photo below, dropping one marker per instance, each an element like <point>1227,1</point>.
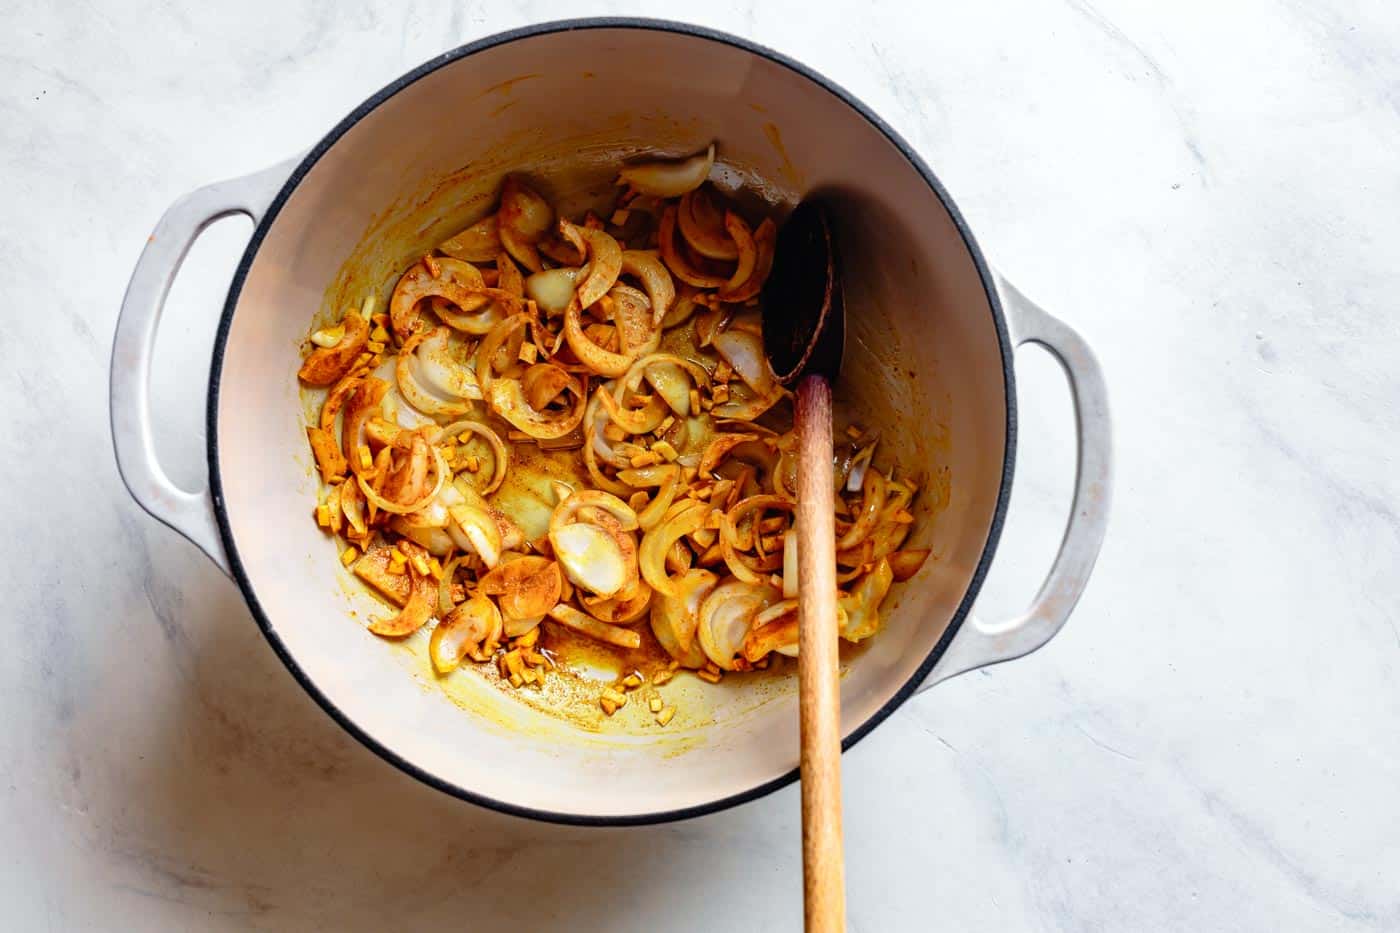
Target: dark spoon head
<point>804,313</point>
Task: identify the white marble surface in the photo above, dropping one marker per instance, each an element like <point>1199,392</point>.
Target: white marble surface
<point>1208,191</point>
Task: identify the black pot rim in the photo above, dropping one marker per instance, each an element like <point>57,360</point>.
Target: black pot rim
<point>240,576</point>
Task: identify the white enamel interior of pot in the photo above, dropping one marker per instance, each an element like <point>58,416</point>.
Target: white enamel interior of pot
<point>923,361</point>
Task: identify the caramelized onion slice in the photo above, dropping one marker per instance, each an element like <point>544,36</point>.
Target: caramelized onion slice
<point>478,243</point>
<point>862,606</point>
<point>726,616</point>
<point>499,451</point>
<point>744,352</point>
<point>601,361</point>
<point>671,179</point>
<point>765,241</point>
<point>657,543</point>
<point>904,564</point>
<point>681,267</point>
<point>458,282</point>
<point>524,211</point>
<point>675,618</point>
<point>476,532</point>
<point>773,629</point>
<point>552,289</point>
<point>585,624</point>
<point>604,260</point>
<point>472,629</point>
<point>325,365</point>
<point>647,266</point>
<point>701,222</point>
<point>591,557</point>
<point>418,608</point>
<point>508,400</point>
<point>526,587</point>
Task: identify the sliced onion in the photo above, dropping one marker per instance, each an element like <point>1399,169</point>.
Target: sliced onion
<point>667,476</point>
<point>744,352</point>
<point>603,362</point>
<point>478,243</point>
<point>500,453</point>
<point>773,629</point>
<point>521,250</point>
<point>668,374</point>
<point>524,211</point>
<point>472,629</point>
<point>352,503</point>
<point>337,396</point>
<point>904,564</point>
<point>476,531</point>
<point>671,179</point>
<point>747,409</point>
<point>417,610</point>
<point>508,400</point>
<point>725,618</point>
<point>436,541</point>
<point>674,618</point>
<point>742,235</point>
<point>526,587</point>
<point>675,259</point>
<point>765,241</point>
<point>593,444</point>
<point>657,543</point>
<point>647,266</point>
<point>870,508</point>
<point>458,282</point>
<point>570,508</point>
<point>445,602</point>
<point>514,628</point>
<point>492,342</point>
<point>427,402</point>
<point>590,557</point>
<point>719,448</point>
<point>442,363</point>
<point>748,571</point>
<point>585,624</point>
<point>508,277</point>
<point>325,365</point>
<point>790,564</point>
<point>394,508</point>
<point>633,420</point>
<point>862,606</point>
<point>499,304</point>
<point>552,289</point>
<point>623,609</point>
<point>631,314</point>
<point>604,261</point>
<point>366,402</point>
<point>701,222</point>
<point>542,383</point>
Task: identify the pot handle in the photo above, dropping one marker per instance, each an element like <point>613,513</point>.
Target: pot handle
<point>979,642</point>
<point>189,513</point>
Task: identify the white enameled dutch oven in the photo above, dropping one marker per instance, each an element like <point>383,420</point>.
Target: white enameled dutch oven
<point>931,334</point>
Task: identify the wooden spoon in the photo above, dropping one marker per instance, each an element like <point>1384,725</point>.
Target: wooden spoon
<point>804,333</point>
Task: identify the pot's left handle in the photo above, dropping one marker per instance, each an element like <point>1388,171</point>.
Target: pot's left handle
<point>189,513</point>
<point>981,642</point>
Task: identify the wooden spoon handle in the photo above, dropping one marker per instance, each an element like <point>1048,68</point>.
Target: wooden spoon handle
<point>823,870</point>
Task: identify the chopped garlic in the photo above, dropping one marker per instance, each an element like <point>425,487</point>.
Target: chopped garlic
<point>666,715</point>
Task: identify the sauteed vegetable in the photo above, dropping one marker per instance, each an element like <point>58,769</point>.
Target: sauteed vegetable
<point>572,423</point>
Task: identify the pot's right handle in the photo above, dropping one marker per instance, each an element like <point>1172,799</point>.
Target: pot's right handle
<point>189,513</point>
<point>979,642</point>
